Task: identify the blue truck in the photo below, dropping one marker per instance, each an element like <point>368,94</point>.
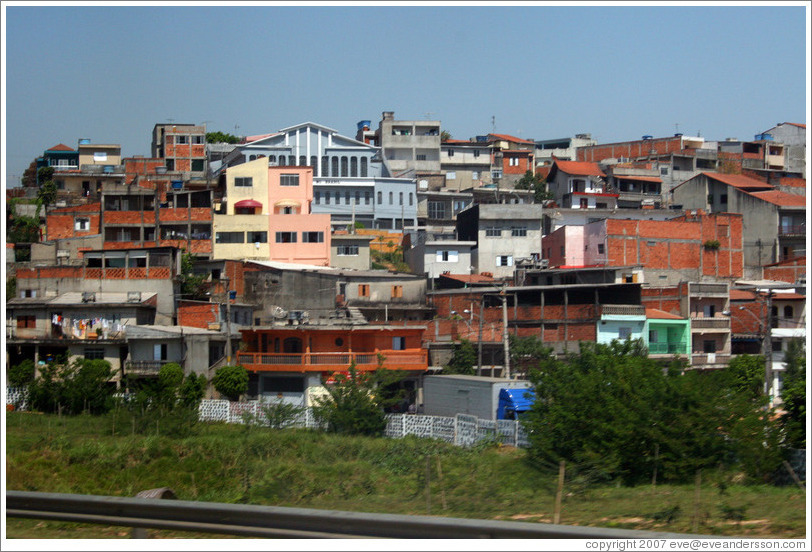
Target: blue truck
<point>513,403</point>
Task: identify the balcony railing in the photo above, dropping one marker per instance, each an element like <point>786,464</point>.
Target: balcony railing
<point>710,360</point>
<point>626,310</point>
<point>792,230</point>
<point>144,367</point>
<point>722,324</point>
<point>667,349</point>
<point>50,334</point>
<point>410,359</point>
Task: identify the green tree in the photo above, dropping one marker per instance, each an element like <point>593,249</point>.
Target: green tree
<point>11,287</point>
<point>47,187</point>
<point>615,414</point>
<point>445,136</point>
<point>192,286</point>
<point>793,395</point>
<point>537,183</point>
<point>747,374</point>
<point>21,374</point>
<point>231,381</point>
<point>353,404</point>
<point>82,385</point>
<point>526,353</point>
<point>218,137</point>
<point>23,229</point>
<point>463,360</point>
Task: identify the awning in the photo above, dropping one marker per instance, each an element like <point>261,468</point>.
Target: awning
<point>248,203</point>
<point>287,203</point>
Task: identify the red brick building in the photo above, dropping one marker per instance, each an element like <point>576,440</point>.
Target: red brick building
<point>73,222</point>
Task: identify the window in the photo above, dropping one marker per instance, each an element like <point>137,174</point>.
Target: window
<point>397,291</point>
<point>94,353</point>
<point>346,197</point>
<point>391,196</point>
<point>420,156</point>
<point>181,139</point>
<point>380,198</point>
<point>159,351</point>
<point>788,311</point>
<point>327,198</point>
<point>493,232</point>
<point>709,346</point>
<point>451,153</point>
<point>411,199</point>
<point>243,182</point>
<point>312,237</point>
<point>289,180</point>
<point>81,224</point>
<point>513,161</point>
<point>325,166</point>
<point>363,290</point>
<point>776,346</point>
<point>358,197</point>
<point>723,199</point>
<point>345,171</point>
<point>624,333</point>
<point>363,166</point>
<point>198,139</point>
<point>398,343</point>
<point>170,164</point>
<point>601,249</point>
<point>476,153</point>
<point>27,321</point>
<point>563,251</point>
<point>334,164</point>
<point>504,260</point>
<point>652,336</point>
<point>99,156</point>
<point>347,250</point>
<point>302,161</point>
<point>475,175</point>
<point>400,198</point>
<point>518,231</point>
<point>451,175</point>
<point>286,237</point>
<point>317,197</point>
<point>366,197</point>
<point>447,256</point>
<point>229,237</point>
<point>198,165</point>
<point>709,311</point>
<point>437,210</point>
<point>257,237</point>
<point>663,171</point>
<point>353,166</point>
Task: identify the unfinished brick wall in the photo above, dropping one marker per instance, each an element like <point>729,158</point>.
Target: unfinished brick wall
<point>198,315</point>
<point>633,149</point>
<point>61,223</point>
<point>787,271</point>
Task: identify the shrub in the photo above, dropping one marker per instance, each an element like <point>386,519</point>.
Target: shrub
<point>21,374</point>
<point>231,381</point>
<point>350,406</point>
<point>73,387</point>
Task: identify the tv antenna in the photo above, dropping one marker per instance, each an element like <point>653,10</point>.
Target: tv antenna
<point>493,124</point>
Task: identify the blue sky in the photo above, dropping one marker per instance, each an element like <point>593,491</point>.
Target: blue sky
<point>110,73</point>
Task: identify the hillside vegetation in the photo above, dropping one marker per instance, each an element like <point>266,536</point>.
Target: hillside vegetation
<point>301,468</point>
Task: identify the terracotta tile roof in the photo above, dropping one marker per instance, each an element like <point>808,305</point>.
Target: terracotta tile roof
<point>452,141</point>
<point>580,168</point>
<point>661,314</point>
<point>791,182</point>
<point>796,261</point>
<point>782,199</point>
<point>788,297</point>
<point>797,125</point>
<point>469,278</point>
<point>510,138</point>
<point>61,147</point>
<point>742,295</point>
<point>638,178</point>
<point>738,181</point>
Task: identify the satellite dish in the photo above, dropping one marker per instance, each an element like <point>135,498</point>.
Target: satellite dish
<point>279,312</point>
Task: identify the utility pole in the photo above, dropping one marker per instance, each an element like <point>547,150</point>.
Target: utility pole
<point>505,336</point>
<point>228,322</point>
<point>766,345</point>
<point>479,352</point>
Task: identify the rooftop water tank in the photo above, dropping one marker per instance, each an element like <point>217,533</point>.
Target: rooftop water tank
<point>363,124</point>
<point>482,138</point>
<point>648,137</point>
<point>84,141</point>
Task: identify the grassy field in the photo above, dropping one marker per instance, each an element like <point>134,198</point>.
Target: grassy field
<point>308,469</point>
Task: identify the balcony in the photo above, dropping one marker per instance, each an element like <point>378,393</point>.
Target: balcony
<point>144,367</point>
<point>667,349</point>
<point>710,360</point>
<point>623,310</point>
<point>709,290</point>
<point>792,230</point>
<point>717,324</point>
<point>52,335</point>
<point>410,359</point>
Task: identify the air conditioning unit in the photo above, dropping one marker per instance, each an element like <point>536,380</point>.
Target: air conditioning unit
<point>544,263</point>
<point>133,296</point>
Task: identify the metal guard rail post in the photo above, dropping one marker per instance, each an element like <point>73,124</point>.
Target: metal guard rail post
<point>274,521</point>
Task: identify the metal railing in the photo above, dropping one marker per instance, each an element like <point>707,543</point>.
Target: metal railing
<point>416,358</point>
<point>668,348</point>
<point>273,521</point>
<point>710,324</point>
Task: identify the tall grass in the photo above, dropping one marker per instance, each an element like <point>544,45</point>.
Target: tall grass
<point>306,468</point>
